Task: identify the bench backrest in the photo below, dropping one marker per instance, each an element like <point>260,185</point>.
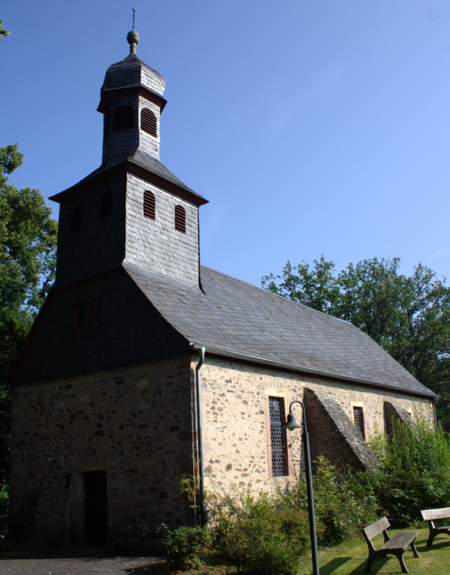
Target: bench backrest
<point>433,514</point>
<point>376,528</point>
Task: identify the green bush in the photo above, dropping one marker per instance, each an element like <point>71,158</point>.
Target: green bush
<point>269,543</point>
<point>415,471</point>
<point>149,530</point>
<point>188,546</point>
<point>343,504</point>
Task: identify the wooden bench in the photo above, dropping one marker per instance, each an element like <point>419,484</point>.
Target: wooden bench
<point>431,515</point>
<point>395,546</point>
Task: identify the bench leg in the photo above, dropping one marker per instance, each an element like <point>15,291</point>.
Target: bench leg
<point>414,550</point>
<point>368,568</point>
<point>431,536</point>
<point>399,555</point>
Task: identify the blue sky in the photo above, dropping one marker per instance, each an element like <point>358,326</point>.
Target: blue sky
<point>312,126</point>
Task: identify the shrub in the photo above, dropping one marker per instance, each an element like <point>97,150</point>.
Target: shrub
<point>343,505</point>
<point>271,543</point>
<point>415,471</point>
<point>188,546</point>
<point>147,531</point>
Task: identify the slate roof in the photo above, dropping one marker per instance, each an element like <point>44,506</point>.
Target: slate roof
<point>132,71</point>
<point>149,163</point>
<point>235,317</point>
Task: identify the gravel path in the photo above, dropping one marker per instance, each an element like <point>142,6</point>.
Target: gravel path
<point>73,561</point>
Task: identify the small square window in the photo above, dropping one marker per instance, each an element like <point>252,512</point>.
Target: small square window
<point>80,317</point>
<point>358,416</point>
<point>97,312</point>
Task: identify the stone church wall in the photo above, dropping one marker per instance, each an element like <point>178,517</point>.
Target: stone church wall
<point>235,399</point>
<point>135,423</point>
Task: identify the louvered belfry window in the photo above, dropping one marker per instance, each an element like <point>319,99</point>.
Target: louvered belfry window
<point>76,221</point>
<point>80,316</point>
<point>149,205</point>
<point>180,219</point>
<point>123,118</point>
<point>106,205</point>
<point>358,416</point>
<point>278,437</point>
<point>149,123</point>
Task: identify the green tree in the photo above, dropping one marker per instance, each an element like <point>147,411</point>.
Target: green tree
<point>27,266</point>
<point>3,32</point>
<point>409,316</point>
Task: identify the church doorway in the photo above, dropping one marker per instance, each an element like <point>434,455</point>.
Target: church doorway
<point>96,512</point>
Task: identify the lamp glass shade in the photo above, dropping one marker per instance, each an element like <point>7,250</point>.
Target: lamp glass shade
<point>291,424</point>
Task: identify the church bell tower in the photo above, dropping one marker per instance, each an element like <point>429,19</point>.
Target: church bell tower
<point>132,209</point>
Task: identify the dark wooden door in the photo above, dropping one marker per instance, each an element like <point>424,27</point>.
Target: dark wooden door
<point>96,513</point>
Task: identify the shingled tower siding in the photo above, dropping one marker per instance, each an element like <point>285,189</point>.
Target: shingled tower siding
<point>100,243</point>
<point>156,245</point>
<point>117,145</point>
<point>128,74</point>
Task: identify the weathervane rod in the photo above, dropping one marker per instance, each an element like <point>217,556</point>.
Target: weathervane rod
<point>134,11</point>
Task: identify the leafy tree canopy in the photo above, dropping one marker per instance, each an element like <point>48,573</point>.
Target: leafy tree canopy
<point>27,265</point>
<point>408,316</point>
<point>3,32</point>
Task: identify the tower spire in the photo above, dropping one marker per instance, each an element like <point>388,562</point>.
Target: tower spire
<point>133,37</point>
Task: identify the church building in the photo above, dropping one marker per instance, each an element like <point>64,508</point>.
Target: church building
<point>143,365</point>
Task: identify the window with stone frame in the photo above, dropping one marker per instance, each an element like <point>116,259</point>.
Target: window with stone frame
<point>97,312</point>
<point>278,437</point>
<point>358,418</point>
<point>80,317</point>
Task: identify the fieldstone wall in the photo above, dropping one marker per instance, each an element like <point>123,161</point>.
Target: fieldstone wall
<point>235,399</point>
<point>394,412</point>
<point>135,423</point>
<point>333,435</point>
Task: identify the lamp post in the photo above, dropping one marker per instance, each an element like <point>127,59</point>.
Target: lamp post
<point>291,424</point>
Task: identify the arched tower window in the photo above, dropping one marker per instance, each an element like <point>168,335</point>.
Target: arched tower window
<point>149,205</point>
<point>106,205</point>
<point>149,123</point>
<point>123,118</point>
<point>180,219</point>
<point>76,221</point>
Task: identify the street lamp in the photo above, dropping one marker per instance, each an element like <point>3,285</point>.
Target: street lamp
<point>291,424</point>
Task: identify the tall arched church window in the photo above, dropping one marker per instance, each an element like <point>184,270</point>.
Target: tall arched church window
<point>76,220</point>
<point>106,205</point>
<point>149,205</point>
<point>149,123</point>
<point>123,118</point>
<point>180,219</point>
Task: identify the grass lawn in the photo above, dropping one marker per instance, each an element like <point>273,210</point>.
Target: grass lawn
<point>350,558</point>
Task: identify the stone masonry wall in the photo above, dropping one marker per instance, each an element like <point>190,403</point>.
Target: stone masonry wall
<point>135,423</point>
<point>156,245</point>
<point>235,399</point>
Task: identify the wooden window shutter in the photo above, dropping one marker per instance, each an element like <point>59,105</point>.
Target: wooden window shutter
<point>149,205</point>
<point>358,416</point>
<point>76,221</point>
<point>149,123</point>
<point>106,205</point>
<point>180,219</point>
<point>123,118</point>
